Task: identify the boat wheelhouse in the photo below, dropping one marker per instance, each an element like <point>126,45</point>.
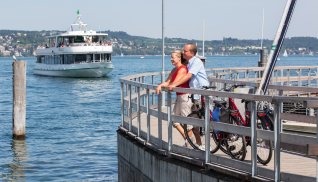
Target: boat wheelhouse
<point>76,53</point>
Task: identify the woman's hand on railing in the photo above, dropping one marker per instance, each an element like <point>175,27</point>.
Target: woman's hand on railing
<point>171,86</point>
<point>158,89</point>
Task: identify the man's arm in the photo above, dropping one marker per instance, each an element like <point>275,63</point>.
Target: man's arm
<point>180,81</point>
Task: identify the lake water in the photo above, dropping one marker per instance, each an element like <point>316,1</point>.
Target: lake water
<point>72,122</point>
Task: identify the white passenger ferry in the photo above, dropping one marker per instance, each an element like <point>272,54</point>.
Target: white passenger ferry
<point>76,53</point>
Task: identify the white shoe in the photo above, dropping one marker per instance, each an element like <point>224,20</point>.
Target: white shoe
<point>202,147</point>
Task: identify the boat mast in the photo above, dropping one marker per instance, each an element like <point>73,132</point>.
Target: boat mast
<point>78,23</point>
<point>277,44</point>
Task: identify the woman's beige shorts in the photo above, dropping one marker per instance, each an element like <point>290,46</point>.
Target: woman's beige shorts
<point>182,107</point>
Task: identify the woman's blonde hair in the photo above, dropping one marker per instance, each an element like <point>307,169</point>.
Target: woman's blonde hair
<point>180,55</point>
<point>177,52</point>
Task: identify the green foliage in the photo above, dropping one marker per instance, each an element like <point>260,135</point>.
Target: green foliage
<point>27,41</point>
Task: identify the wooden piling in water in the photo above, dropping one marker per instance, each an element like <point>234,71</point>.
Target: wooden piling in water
<point>19,99</point>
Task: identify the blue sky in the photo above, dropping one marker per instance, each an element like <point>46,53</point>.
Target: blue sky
<point>183,18</point>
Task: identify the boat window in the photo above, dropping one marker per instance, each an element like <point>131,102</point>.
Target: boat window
<point>61,59</point>
<point>79,39</point>
<point>69,59</point>
<point>108,57</point>
<point>40,59</point>
<point>103,57</point>
<point>95,39</point>
<point>89,58</point>
<point>71,40</point>
<point>52,42</point>
<point>97,57</point>
<point>60,41</point>
<point>80,58</point>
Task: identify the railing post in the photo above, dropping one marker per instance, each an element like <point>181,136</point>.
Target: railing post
<point>127,92</point>
<point>138,110</point>
<point>160,119</point>
<point>129,109</point>
<point>282,76</point>
<point>316,76</point>
<point>253,116</point>
<point>122,104</point>
<point>169,122</point>
<point>148,115</point>
<point>277,139</point>
<point>288,77</point>
<point>143,98</point>
<point>299,75</point>
<point>317,142</point>
<point>153,98</point>
<point>309,77</point>
<point>207,129</point>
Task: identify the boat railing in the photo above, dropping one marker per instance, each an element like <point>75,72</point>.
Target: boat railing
<point>78,45</point>
<point>142,110</point>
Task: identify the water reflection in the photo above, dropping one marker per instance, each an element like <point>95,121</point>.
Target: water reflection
<point>19,154</point>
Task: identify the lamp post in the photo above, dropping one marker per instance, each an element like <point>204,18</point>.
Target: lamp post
<point>163,53</point>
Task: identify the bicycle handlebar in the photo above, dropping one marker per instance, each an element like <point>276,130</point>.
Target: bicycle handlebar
<point>209,87</point>
<point>234,86</point>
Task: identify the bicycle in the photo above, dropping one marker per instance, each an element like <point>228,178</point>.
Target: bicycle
<point>264,121</point>
<point>234,144</point>
<point>223,141</point>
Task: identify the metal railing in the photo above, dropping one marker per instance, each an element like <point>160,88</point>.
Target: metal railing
<point>137,98</point>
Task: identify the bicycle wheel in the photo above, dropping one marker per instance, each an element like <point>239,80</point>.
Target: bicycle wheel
<point>236,146</point>
<point>220,140</point>
<point>264,147</point>
<point>214,145</point>
<point>264,151</point>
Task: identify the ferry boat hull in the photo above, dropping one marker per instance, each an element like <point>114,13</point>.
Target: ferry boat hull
<point>82,70</point>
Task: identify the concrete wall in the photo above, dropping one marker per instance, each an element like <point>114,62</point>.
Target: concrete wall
<point>136,163</point>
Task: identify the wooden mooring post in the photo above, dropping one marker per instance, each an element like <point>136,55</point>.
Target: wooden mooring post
<point>19,99</point>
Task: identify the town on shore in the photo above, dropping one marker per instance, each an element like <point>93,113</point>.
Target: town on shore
<point>24,43</point>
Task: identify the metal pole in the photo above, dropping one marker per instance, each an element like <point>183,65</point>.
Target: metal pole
<point>203,38</point>
<point>152,95</point>
<point>317,142</point>
<point>122,104</point>
<point>169,123</point>
<point>278,41</point>
<point>160,119</point>
<point>148,115</point>
<point>130,108</point>
<point>253,115</point>
<point>138,110</point>
<point>277,130</point>
<point>163,52</point>
<point>207,129</point>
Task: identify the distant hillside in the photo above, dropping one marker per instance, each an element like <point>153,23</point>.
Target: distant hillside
<point>25,42</point>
